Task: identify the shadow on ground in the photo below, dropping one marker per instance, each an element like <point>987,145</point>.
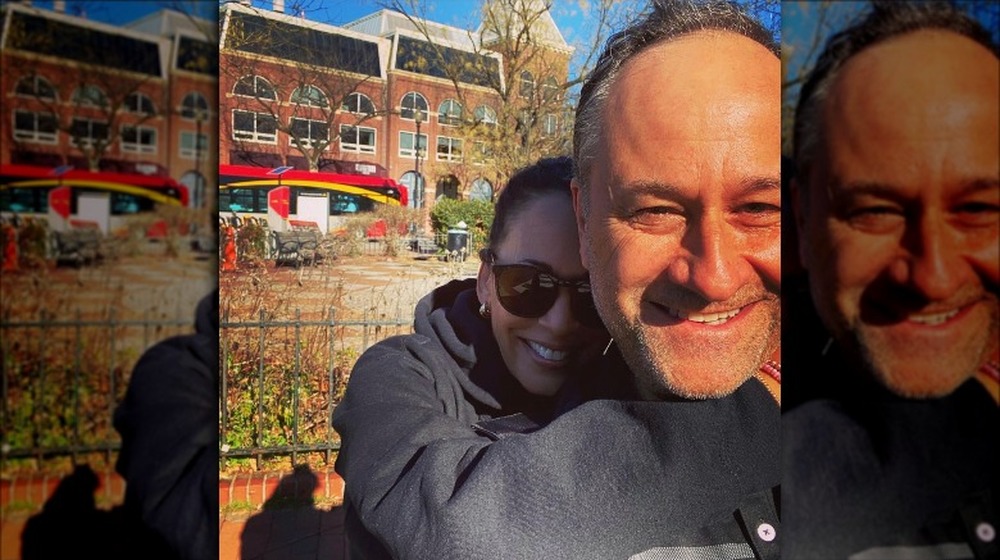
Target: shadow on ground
<point>71,526</point>
<point>291,526</point>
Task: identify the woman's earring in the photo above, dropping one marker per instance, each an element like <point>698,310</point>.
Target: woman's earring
<point>484,311</point>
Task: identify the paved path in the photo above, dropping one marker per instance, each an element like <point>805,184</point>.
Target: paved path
<point>294,533</point>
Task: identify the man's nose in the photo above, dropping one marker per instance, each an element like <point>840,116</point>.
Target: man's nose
<point>932,264</point>
<point>713,267</point>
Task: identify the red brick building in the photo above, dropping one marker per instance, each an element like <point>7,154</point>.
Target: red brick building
<point>354,98</point>
<point>139,98</point>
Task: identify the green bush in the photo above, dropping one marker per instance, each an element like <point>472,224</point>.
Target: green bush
<point>477,214</point>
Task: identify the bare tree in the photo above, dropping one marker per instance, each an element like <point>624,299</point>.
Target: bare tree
<point>527,74</point>
<point>301,97</point>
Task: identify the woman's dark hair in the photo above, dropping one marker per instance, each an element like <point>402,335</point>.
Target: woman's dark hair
<point>547,176</point>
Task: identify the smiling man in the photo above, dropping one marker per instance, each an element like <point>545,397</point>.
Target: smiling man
<point>678,205</point>
<point>890,450</point>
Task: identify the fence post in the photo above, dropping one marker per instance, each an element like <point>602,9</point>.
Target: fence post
<point>4,358</point>
<point>260,392</point>
<point>39,397</point>
<point>329,387</point>
<point>223,391</point>
<point>295,387</point>
<point>111,382</point>
<point>77,366</point>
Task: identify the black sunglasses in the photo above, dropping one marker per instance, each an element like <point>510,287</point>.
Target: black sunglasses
<point>528,291</point>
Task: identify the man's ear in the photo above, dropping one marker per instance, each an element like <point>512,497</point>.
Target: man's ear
<point>799,210</point>
<point>581,221</point>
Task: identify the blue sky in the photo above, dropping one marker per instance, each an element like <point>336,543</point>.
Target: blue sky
<point>118,13</point>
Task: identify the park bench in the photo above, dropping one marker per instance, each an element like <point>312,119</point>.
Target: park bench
<point>296,246</point>
<point>77,246</point>
<point>423,245</point>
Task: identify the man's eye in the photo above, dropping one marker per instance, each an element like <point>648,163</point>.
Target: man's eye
<point>760,208</point>
<point>978,214</point>
<point>876,219</point>
<point>657,216</point>
<point>759,213</point>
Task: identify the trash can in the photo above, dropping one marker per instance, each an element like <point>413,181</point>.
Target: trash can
<point>458,244</point>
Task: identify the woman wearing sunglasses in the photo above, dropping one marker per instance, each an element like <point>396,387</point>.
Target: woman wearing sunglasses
<point>489,358</point>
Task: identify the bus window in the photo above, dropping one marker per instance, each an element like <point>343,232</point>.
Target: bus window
<point>126,204</point>
<point>24,200</point>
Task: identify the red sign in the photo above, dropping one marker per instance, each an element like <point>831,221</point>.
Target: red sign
<point>59,201</point>
<point>277,200</point>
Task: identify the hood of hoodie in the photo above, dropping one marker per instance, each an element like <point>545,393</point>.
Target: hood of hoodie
<point>450,316</point>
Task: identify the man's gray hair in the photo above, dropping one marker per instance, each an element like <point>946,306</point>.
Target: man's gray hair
<point>664,20</point>
<point>883,21</point>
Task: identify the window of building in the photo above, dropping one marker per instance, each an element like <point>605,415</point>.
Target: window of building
<point>481,189</point>
<point>449,149</point>
<point>310,133</point>
<point>87,131</point>
<point>194,106</point>
<point>255,86</point>
<point>450,113</point>
<point>527,85</point>
<point>358,103</point>
<point>481,152</point>
<point>406,148</point>
<point>550,125</point>
<point>357,139</point>
<point>550,90</point>
<point>35,86</point>
<point>89,95</point>
<point>486,115</point>
<point>139,103</point>
<point>411,104</point>
<point>39,127</point>
<point>138,139</point>
<point>256,127</point>
<point>310,96</point>
<point>194,145</point>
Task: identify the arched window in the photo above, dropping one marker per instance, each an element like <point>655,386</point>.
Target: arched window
<point>35,86</point>
<point>450,112</point>
<point>412,104</point>
<point>358,103</point>
<point>310,96</point>
<point>139,103</point>
<point>194,106</point>
<point>481,189</point>
<point>486,115</point>
<point>255,86</point>
<point>550,89</point>
<point>527,85</point>
<point>447,187</point>
<point>89,95</point>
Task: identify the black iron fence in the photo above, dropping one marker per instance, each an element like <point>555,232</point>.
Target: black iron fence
<point>63,377</point>
<point>281,378</point>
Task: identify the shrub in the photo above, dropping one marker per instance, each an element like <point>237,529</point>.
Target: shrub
<point>477,214</point>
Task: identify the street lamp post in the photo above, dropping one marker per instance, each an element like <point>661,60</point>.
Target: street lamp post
<point>418,194</point>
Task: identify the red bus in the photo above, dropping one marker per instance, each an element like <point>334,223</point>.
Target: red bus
<point>320,197</point>
<point>64,197</point>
